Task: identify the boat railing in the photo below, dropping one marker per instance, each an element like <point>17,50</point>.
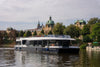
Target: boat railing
<point>73,46</point>
<point>62,36</point>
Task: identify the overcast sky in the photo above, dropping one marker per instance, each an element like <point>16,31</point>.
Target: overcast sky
<point>25,14</point>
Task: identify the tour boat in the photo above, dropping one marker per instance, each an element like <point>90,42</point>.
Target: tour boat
<point>47,44</point>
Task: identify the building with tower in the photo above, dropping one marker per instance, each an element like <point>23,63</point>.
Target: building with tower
<point>80,23</point>
<point>39,26</point>
<point>47,27</point>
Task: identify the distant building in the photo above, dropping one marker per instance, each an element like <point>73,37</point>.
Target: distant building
<point>39,26</point>
<point>48,27</point>
<point>9,30</point>
<point>80,23</point>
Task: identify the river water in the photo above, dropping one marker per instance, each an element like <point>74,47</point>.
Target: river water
<point>12,58</point>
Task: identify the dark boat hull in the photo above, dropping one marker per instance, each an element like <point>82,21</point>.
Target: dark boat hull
<point>49,50</point>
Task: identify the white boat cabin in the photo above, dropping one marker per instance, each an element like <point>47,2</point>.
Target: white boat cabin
<point>50,41</point>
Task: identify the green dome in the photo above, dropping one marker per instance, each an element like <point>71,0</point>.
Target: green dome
<point>81,21</point>
<point>50,21</point>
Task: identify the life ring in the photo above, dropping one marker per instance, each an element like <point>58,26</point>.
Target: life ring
<point>47,49</point>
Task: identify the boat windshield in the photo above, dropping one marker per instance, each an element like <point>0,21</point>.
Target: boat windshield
<point>18,42</point>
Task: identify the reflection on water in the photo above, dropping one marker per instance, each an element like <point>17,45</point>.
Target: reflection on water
<point>11,58</point>
<point>29,59</point>
<point>7,58</point>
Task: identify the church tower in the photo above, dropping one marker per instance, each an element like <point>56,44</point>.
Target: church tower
<point>49,25</point>
<point>50,22</point>
<point>38,26</point>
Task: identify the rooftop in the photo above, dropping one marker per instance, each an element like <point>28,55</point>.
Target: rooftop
<point>48,37</point>
<point>81,21</point>
<point>50,21</point>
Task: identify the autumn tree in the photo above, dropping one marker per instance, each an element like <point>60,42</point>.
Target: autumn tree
<point>1,38</point>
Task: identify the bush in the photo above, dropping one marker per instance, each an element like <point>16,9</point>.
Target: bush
<point>83,46</point>
<point>87,39</point>
<point>8,41</point>
<point>77,41</point>
<point>96,44</point>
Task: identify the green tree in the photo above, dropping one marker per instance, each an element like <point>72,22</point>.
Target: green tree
<point>87,39</point>
<point>27,34</point>
<point>95,34</point>
<point>58,29</point>
<point>93,21</point>
<point>78,32</point>
<point>35,33</point>
<point>72,30</point>
<point>83,46</point>
<point>21,33</point>
<point>42,31</point>
<point>96,44</point>
<point>50,32</point>
<point>86,30</point>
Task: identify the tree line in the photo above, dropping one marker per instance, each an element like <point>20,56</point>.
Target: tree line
<point>7,38</point>
<point>90,31</point>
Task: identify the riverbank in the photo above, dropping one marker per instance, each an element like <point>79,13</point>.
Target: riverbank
<point>7,45</point>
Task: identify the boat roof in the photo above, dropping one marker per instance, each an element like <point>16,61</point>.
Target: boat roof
<point>47,38</point>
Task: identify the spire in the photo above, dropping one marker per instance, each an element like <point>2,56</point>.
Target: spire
<point>38,22</point>
<point>42,24</point>
<point>50,18</point>
<point>38,26</point>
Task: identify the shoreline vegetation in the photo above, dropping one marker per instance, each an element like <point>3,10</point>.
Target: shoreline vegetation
<point>89,33</point>
<point>10,45</point>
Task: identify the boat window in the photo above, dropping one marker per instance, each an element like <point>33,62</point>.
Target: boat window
<point>18,42</point>
<point>40,42</point>
<point>52,43</point>
<point>35,43</point>
<point>31,42</point>
<point>44,42</point>
<point>23,41</point>
<point>59,43</point>
<point>66,43</point>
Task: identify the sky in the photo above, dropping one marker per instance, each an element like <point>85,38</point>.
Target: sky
<point>25,14</point>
